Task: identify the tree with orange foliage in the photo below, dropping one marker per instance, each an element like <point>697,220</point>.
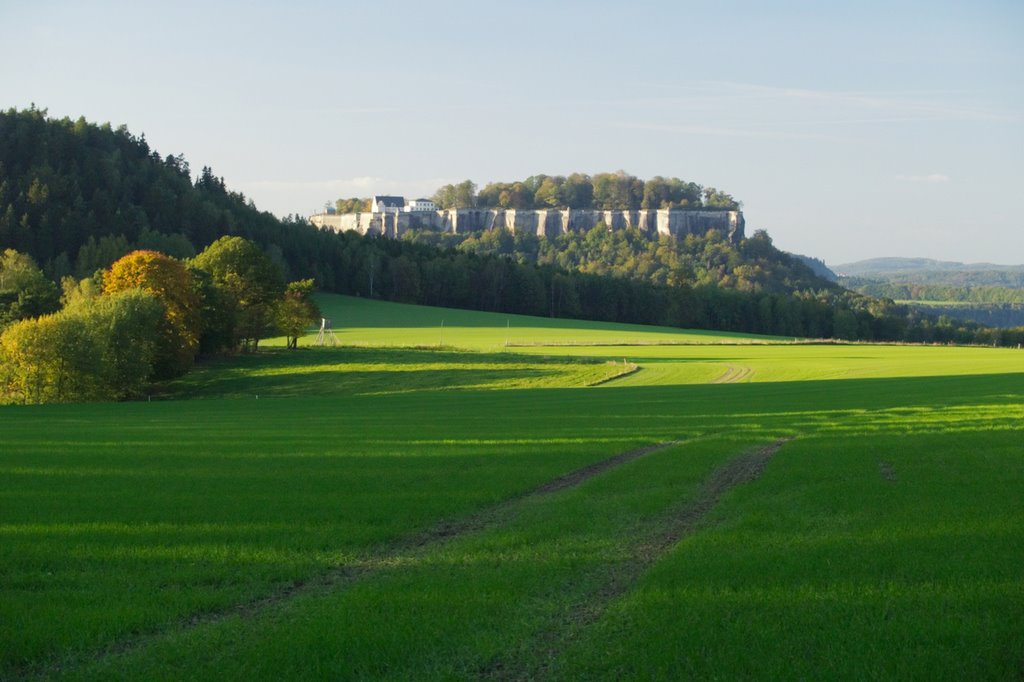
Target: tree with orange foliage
<point>168,280</point>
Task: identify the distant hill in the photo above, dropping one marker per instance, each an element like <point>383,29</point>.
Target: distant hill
<point>895,264</point>
<point>985,293</point>
<point>928,272</point>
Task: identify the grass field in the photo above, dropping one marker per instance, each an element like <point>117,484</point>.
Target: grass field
<point>944,304</point>
<point>359,321</point>
<point>412,507</point>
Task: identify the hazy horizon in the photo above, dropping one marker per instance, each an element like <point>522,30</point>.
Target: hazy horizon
<point>848,132</point>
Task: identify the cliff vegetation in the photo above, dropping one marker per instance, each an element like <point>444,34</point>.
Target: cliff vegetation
<point>602,191</point>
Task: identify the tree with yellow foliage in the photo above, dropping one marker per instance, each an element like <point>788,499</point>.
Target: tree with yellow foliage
<point>170,282</point>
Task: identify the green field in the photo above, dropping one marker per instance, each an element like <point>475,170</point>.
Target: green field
<point>404,506</point>
<point>358,322</point>
<point>944,304</point>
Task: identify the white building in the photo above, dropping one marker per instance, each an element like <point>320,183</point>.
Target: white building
<point>417,205</point>
<point>386,204</point>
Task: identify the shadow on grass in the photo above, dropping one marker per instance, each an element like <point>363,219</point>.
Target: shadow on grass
<point>353,370</point>
<point>351,312</point>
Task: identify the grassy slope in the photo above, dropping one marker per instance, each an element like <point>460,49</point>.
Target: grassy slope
<point>359,321</point>
<point>553,353</point>
<point>371,370</point>
<point>125,518</point>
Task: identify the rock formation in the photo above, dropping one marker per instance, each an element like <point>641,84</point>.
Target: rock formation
<point>544,223</point>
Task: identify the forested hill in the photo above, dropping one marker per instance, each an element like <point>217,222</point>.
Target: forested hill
<point>753,265</point>
<point>77,196</point>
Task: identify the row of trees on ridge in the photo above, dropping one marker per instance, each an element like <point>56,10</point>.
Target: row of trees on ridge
<point>603,191</point>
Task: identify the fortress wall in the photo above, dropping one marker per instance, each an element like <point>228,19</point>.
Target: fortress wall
<point>541,222</point>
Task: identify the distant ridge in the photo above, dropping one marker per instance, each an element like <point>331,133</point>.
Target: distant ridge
<point>872,266</point>
<point>863,275</point>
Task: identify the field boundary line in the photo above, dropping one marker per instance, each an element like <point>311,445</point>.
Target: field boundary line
<point>341,575</point>
<point>669,531</point>
<point>629,369</point>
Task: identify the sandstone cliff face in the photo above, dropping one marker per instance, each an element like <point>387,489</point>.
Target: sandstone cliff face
<point>544,223</point>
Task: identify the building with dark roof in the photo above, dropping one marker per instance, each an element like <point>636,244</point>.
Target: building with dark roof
<point>386,204</point>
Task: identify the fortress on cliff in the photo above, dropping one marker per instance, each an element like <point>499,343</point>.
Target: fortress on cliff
<point>391,219</point>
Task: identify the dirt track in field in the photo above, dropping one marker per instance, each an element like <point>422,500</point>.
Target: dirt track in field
<point>669,531</point>
<point>344,574</point>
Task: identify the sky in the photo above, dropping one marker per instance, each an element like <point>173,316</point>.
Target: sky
<point>848,130</point>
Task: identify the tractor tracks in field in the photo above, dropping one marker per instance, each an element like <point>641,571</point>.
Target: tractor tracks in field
<point>340,576</point>
<point>665,534</point>
<point>661,534</point>
<point>735,374</point>
<point>492,516</point>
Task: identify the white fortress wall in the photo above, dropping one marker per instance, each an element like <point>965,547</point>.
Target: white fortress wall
<point>541,222</point>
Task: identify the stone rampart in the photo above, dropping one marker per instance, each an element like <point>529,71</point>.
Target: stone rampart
<point>541,222</point>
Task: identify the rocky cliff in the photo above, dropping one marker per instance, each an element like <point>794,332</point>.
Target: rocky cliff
<point>545,223</point>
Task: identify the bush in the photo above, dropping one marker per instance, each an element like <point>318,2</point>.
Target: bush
<point>98,349</point>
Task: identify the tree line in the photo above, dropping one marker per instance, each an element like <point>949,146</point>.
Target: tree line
<point>914,291</point>
<point>986,314</point>
<point>998,277</point>
<point>145,318</point>
<point>602,191</point>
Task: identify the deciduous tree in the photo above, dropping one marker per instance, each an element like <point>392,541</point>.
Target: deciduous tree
<point>297,311</point>
<point>24,290</point>
<point>251,281</point>
<point>53,358</point>
<point>125,327</point>
<point>171,283</point>
<point>97,348</point>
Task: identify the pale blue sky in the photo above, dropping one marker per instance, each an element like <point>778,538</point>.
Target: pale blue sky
<point>877,128</point>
